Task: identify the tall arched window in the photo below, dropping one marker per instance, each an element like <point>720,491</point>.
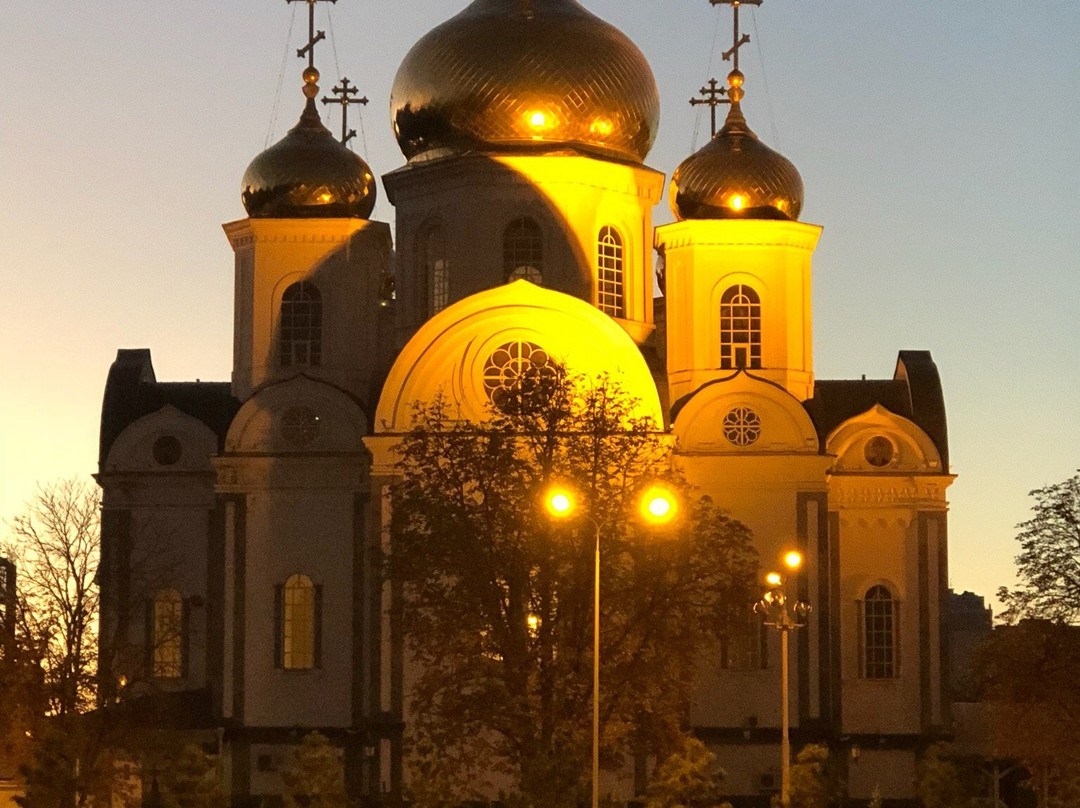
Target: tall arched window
<point>435,269</point>
<point>297,612</point>
<point>879,634</point>
<point>740,328</point>
<point>523,251</point>
<point>167,634</point>
<point>301,325</point>
<point>609,273</point>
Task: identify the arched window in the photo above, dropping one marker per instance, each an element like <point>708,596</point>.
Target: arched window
<point>301,325</point>
<point>435,269</point>
<point>297,614</point>
<point>609,273</point>
<point>740,328</point>
<point>167,634</point>
<point>523,251</point>
<point>879,634</point>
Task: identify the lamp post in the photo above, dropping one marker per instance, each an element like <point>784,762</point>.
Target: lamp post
<point>657,506</point>
<point>785,617</point>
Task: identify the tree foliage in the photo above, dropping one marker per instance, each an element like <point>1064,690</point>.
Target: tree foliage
<point>688,778</point>
<point>193,780</point>
<point>943,780</point>
<point>1048,565</point>
<point>499,598</point>
<point>314,776</point>
<point>815,783</point>
<point>1030,676</point>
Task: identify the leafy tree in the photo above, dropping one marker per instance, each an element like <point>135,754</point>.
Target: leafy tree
<point>689,778</point>
<point>1030,676</point>
<point>193,780</point>
<point>314,776</point>
<point>1049,562</point>
<point>814,781</point>
<point>940,779</point>
<point>499,599</point>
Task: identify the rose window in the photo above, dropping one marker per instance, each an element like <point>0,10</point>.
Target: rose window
<point>518,372</point>
<point>299,426</point>
<point>742,426</point>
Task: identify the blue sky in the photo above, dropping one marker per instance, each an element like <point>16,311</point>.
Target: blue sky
<point>937,143</point>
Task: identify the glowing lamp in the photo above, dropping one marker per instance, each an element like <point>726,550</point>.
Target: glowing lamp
<point>773,579</point>
<point>658,505</point>
<point>559,502</point>
<point>737,201</point>
<point>602,127</point>
<point>793,560</point>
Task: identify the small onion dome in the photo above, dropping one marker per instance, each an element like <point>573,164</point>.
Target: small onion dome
<point>734,176</point>
<point>308,173</point>
<point>520,75</point>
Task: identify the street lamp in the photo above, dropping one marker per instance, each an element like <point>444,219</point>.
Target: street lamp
<point>785,617</point>
<point>657,506</point>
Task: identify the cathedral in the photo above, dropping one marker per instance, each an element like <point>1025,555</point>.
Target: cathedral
<point>243,521</point>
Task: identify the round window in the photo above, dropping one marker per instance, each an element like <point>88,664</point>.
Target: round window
<point>299,426</point>
<point>166,451</point>
<point>518,375</point>
<point>742,426</point>
<point>879,451</point>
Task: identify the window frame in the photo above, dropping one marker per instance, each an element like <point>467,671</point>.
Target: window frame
<point>879,634</point>
<point>523,251</point>
<point>287,622</point>
<point>300,325</point>
<point>611,272</point>
<point>740,315</point>
<point>166,633</point>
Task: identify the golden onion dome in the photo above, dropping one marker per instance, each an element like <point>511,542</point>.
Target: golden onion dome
<point>735,175</point>
<point>512,75</point>
<point>308,173</point>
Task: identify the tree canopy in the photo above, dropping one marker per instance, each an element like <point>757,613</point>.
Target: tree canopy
<point>1048,565</point>
<point>498,598</point>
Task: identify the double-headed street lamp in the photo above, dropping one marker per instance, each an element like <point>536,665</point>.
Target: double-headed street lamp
<point>785,617</point>
<point>657,506</point>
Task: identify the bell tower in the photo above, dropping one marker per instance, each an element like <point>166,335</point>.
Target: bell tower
<point>310,265</point>
<point>737,260</point>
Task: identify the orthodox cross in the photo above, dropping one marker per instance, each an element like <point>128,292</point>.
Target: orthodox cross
<point>313,36</point>
<point>740,40</point>
<point>713,96</point>
<point>345,93</point>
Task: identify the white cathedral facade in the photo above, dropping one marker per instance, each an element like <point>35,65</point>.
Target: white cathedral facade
<point>244,521</point>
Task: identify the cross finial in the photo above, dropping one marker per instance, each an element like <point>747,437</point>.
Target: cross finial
<point>713,96</point>
<point>740,39</point>
<point>314,36</point>
<point>345,93</point>
<point>735,90</point>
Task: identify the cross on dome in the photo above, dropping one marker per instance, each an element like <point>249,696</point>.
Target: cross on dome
<point>713,95</point>
<point>345,92</point>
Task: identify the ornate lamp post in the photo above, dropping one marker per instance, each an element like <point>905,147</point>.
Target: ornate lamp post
<point>657,506</point>
<point>785,617</point>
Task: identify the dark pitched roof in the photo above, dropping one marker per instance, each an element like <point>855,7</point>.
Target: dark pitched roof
<point>914,393</point>
<point>133,391</point>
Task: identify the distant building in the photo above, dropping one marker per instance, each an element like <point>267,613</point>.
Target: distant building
<point>970,621</point>
<point>243,521</point>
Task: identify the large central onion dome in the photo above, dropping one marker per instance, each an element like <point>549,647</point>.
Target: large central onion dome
<point>735,175</point>
<point>308,173</point>
<point>525,74</point>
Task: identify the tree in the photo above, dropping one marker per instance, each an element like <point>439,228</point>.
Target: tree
<point>498,611</point>
<point>314,777</point>
<point>1030,676</point>
<point>55,545</point>
<point>689,778</point>
<point>941,781</point>
<point>193,780</point>
<point>814,781</point>
<point>1049,562</point>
